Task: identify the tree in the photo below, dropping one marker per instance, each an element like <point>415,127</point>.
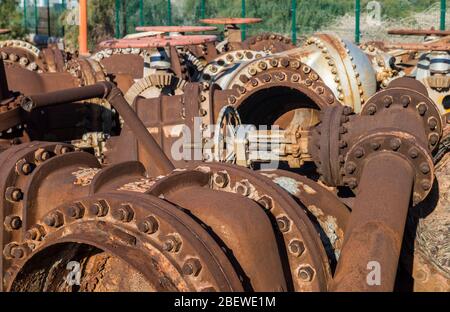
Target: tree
<point>11,18</point>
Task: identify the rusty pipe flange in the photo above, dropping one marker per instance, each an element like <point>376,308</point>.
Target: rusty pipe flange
<point>21,45</point>
<point>106,53</point>
<point>223,62</point>
<point>325,207</point>
<point>23,54</point>
<point>328,145</point>
<point>176,29</point>
<point>276,71</point>
<point>412,101</point>
<point>158,42</point>
<point>86,71</point>
<point>167,248</point>
<point>307,267</point>
<point>397,142</point>
<point>268,42</point>
<point>154,85</point>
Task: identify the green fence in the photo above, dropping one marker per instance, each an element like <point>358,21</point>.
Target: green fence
<point>43,19</point>
<point>355,19</point>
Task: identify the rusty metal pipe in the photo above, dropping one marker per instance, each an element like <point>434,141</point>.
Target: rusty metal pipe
<point>375,229</point>
<point>156,155</point>
<point>115,97</point>
<point>99,90</point>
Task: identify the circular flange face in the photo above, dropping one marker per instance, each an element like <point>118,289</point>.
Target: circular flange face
<point>158,42</point>
<point>231,20</point>
<point>410,100</point>
<point>180,29</point>
<point>382,142</point>
<point>153,237</point>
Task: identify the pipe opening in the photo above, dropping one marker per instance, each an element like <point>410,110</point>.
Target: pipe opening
<point>54,269</point>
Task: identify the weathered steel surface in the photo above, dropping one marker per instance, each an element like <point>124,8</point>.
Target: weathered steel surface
<point>116,203</point>
<point>176,29</point>
<point>158,42</point>
<point>231,20</point>
<point>419,32</point>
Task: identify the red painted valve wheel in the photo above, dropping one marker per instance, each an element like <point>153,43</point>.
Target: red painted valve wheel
<point>158,42</point>
<point>180,29</point>
<point>231,20</point>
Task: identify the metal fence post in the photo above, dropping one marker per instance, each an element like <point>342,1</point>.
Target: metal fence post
<point>25,24</point>
<point>202,9</point>
<point>117,18</point>
<point>443,13</point>
<point>64,7</point>
<point>49,31</point>
<point>169,12</point>
<point>294,21</point>
<point>83,34</point>
<point>141,12</point>
<point>357,21</point>
<point>244,26</point>
<point>36,25</point>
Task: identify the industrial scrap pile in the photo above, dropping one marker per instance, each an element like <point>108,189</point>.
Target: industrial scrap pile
<point>89,172</point>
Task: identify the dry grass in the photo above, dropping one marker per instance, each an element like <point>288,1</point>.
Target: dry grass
<point>345,26</point>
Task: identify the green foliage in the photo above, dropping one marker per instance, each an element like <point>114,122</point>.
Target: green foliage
<point>312,15</point>
<point>11,18</point>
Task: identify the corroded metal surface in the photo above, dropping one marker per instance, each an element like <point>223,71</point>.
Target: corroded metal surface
<point>231,20</point>
<point>176,29</point>
<point>89,175</point>
<point>156,42</point>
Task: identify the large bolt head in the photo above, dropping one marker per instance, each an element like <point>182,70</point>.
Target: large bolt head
<point>35,233</point>
<point>372,109</point>
<point>171,244</point>
<point>75,211</point>
<point>192,267</point>
<point>350,168</point>
<point>221,179</point>
<point>243,189</point>
<point>149,225</point>
<point>124,213</point>
<point>395,144</point>
<point>99,209</point>
<point>297,247</point>
<point>13,194</point>
<point>17,252</point>
<point>284,224</point>
<point>387,101</point>
<point>54,219</point>
<point>405,100</point>
<point>426,185</point>
<point>266,202</point>
<point>352,183</point>
<point>306,273</point>
<point>413,153</point>
<point>424,168</point>
<point>422,108</point>
<point>13,222</point>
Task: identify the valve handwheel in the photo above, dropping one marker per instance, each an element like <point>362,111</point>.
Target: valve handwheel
<point>176,29</point>
<point>231,20</point>
<point>158,42</point>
